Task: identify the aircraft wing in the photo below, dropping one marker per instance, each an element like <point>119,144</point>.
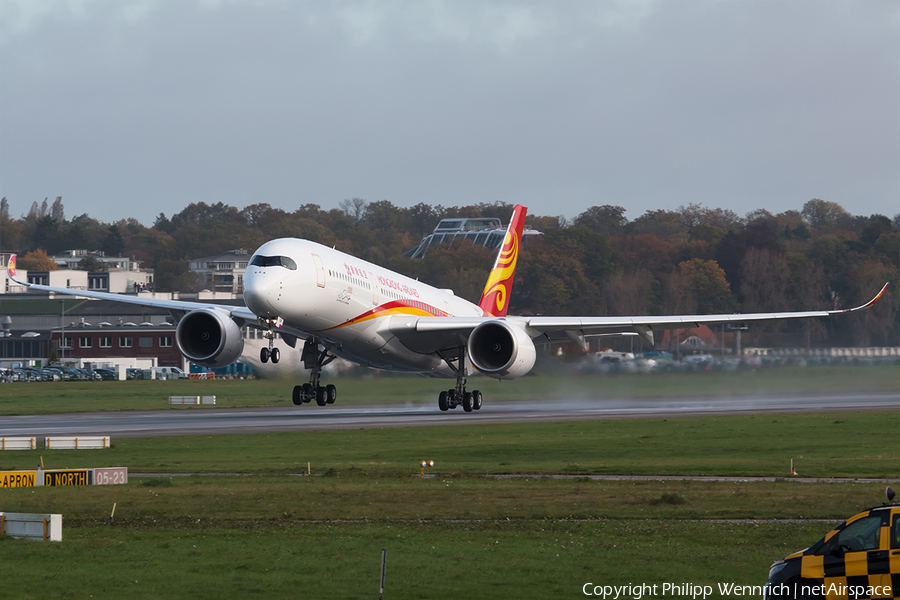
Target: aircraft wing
<point>448,331</point>
<point>237,312</point>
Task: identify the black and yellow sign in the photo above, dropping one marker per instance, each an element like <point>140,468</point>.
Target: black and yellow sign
<point>68,477</point>
<point>11,479</point>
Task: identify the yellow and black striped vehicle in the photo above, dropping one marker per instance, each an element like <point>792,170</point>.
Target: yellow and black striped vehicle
<point>859,559</point>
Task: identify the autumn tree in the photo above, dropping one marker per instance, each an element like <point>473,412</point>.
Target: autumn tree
<point>824,216</point>
<point>709,285</point>
<point>731,250</point>
<point>37,260</point>
<point>629,293</point>
<point>765,279</point>
<point>602,219</point>
<point>550,280</point>
<point>646,251</point>
<point>660,222</point>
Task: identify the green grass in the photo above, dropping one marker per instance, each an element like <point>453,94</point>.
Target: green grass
<point>821,445</point>
<point>62,397</point>
<point>424,560</point>
<point>267,537</point>
<point>226,501</point>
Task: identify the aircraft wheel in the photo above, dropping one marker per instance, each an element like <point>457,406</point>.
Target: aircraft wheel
<point>307,392</point>
<point>442,401</point>
<point>467,401</point>
<point>331,393</point>
<point>276,355</point>
<point>321,396</point>
<point>451,399</point>
<point>476,400</point>
<point>264,355</point>
<point>297,396</point>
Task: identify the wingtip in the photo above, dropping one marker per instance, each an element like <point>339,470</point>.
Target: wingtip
<point>881,293</point>
<point>867,304</point>
<point>11,270</point>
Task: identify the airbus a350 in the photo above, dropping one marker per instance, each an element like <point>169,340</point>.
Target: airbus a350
<point>342,306</point>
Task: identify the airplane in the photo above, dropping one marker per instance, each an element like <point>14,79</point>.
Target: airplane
<point>344,307</point>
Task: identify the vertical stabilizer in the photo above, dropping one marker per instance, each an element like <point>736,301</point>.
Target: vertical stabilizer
<point>495,299</point>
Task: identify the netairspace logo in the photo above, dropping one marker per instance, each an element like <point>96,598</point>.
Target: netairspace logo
<point>686,590</point>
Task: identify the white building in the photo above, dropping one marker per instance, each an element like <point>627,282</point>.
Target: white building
<point>70,259</point>
<point>223,272</point>
<point>118,281</point>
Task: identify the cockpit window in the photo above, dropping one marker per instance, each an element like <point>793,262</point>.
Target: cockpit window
<point>274,261</point>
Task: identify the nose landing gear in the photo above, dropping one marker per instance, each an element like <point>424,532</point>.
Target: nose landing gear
<point>271,352</point>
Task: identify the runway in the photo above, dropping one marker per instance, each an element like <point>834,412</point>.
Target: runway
<point>309,417</point>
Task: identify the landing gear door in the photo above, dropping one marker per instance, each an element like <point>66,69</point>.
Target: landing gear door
<point>320,270</point>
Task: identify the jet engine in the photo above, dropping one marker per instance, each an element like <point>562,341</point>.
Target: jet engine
<point>501,350</point>
<point>209,337</point>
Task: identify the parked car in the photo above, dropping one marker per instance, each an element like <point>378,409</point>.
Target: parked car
<point>24,375</point>
<point>59,373</point>
<point>89,374</point>
<point>44,374</point>
<point>106,374</point>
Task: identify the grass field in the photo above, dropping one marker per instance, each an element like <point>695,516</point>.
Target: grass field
<point>61,397</point>
<point>821,445</point>
<point>424,560</point>
<point>460,534</point>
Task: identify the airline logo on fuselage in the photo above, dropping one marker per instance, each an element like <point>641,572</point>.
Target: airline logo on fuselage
<point>390,283</point>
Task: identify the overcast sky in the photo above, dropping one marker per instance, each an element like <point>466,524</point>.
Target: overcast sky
<point>129,108</point>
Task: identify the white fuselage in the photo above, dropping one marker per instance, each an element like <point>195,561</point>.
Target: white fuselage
<point>346,302</point>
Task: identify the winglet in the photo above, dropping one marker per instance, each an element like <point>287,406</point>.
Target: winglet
<point>864,306</point>
<point>495,299</point>
<point>11,268</point>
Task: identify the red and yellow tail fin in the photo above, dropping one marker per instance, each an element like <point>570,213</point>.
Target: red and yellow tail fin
<point>11,267</point>
<point>495,299</point>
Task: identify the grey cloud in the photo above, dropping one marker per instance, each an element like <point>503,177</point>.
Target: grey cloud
<point>131,109</point>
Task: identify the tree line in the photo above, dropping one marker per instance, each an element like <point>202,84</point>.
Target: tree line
<point>692,260</point>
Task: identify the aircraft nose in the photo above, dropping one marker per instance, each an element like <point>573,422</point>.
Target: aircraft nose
<point>261,294</point>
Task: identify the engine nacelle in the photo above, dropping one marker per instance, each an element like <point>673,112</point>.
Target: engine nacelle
<point>209,337</point>
<point>501,350</point>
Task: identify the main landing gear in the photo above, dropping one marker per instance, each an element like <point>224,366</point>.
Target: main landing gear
<point>459,396</point>
<point>314,359</point>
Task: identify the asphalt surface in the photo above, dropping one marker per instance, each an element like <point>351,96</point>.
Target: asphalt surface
<point>309,417</point>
